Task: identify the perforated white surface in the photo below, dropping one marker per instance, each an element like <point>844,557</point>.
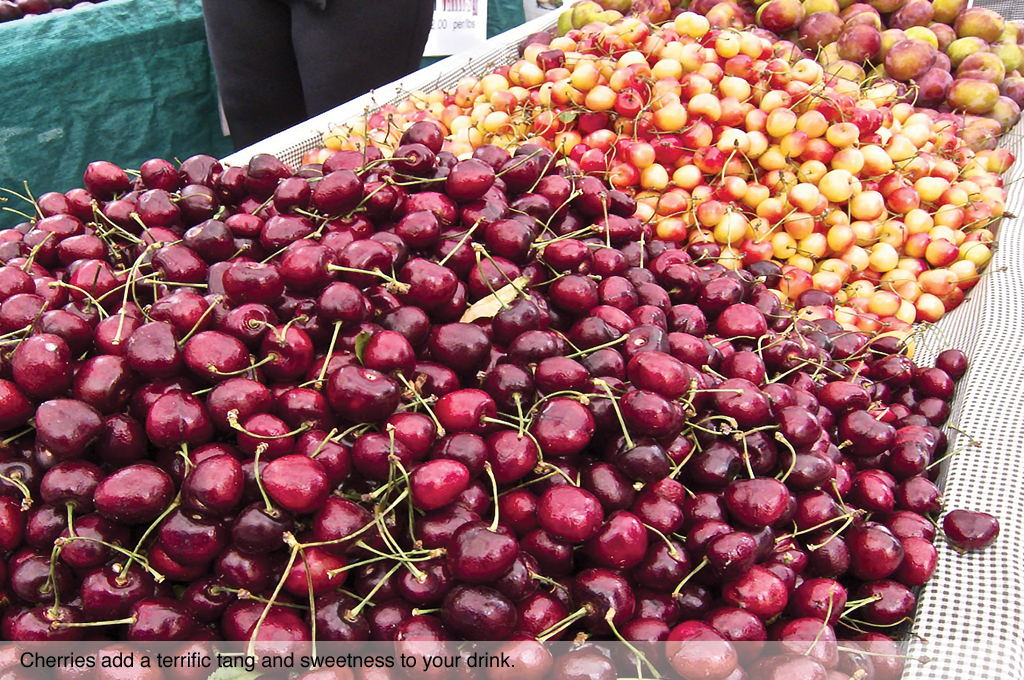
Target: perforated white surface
<point>970,617</point>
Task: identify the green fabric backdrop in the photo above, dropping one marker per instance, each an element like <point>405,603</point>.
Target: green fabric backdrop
<point>124,81</point>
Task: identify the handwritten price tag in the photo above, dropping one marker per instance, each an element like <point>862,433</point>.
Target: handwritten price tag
<point>458,25</point>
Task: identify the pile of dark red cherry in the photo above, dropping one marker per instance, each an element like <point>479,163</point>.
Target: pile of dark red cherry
<point>424,398</point>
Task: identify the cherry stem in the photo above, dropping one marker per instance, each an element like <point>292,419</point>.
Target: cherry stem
<point>257,473</point>
<point>550,581</point>
<point>243,594</point>
<point>273,596</point>
<point>390,541</point>
<point>671,546</point>
<point>391,280</point>
<point>848,522</point>
<point>199,322</point>
<point>857,604</point>
<point>462,242</point>
<point>93,624</point>
<point>361,530</point>
<point>394,460</point>
<point>51,578</point>
<point>679,468</point>
<point>316,452</point>
<point>233,422</point>
<point>499,421</point>
<point>824,625</point>
<point>139,559</point>
<point>938,461</point>
<point>792,463</point>
<point>853,623</point>
<point>517,398</point>
<point>922,659</point>
<point>618,413</point>
<point>26,501</point>
<point>494,489</point>
<point>609,618</point>
<point>129,287</point>
<point>142,539</point>
<point>351,614</point>
<point>584,352</point>
<point>746,459</point>
<point>679,588</point>
<point>427,555</point>
<point>817,526</point>
<point>30,260</point>
<point>546,475</point>
<point>327,357</point>
<point>421,612</point>
<point>415,393</point>
<point>312,603</point>
<point>252,366</point>
<point>563,624</point>
<point>361,426</point>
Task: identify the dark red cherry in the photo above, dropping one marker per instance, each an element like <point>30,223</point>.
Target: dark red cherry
<point>759,591</point>
<point>214,486</point>
<point>757,502</point>
<point>360,394</point>
<point>134,494</point>
<point>569,513</point>
<point>478,554</point>
<point>71,483</point>
<point>953,362</point>
<point>41,366</point>
<point>821,598</point>
<point>296,483</point>
<point>476,612</point>
<point>969,530</point>
<point>67,428</point>
<point>875,551</point>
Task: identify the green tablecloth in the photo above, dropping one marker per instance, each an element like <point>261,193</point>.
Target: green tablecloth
<point>124,81</point>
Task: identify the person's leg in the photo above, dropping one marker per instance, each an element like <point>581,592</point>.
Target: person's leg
<point>257,76</point>
<point>354,46</point>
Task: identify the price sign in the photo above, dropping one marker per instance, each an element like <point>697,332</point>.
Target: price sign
<point>458,25</point>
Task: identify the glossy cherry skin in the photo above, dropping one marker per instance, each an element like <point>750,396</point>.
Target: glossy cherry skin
<point>362,395</point>
<point>296,483</point>
<point>477,612</point>
<point>604,593</point>
<point>67,428</point>
<point>41,366</point>
<point>758,591</point>
<point>134,494</point>
<point>620,544</point>
<point>437,483</point>
<point>695,647</point>
<point>876,552</point>
<point>821,598</point>
<point>570,513</point>
<point>478,554</point>
<point>757,502</point>
<point>214,486</point>
<point>969,530</point>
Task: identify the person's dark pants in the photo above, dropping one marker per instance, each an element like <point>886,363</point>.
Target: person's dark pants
<point>279,63</point>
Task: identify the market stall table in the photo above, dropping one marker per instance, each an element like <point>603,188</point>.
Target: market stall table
<point>969,621</point>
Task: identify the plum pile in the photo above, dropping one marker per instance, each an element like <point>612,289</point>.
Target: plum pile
<point>424,398</point>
